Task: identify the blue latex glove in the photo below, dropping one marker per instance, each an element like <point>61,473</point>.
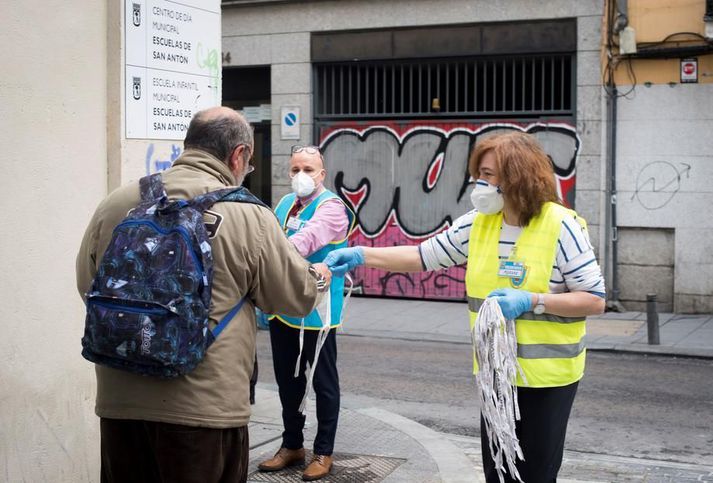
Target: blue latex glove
<point>344,259</point>
<point>513,302</point>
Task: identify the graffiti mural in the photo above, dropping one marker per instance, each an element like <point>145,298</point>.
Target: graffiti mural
<point>409,181</point>
<point>155,163</point>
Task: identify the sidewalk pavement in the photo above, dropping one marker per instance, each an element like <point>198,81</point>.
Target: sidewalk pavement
<point>384,446</point>
<point>680,335</point>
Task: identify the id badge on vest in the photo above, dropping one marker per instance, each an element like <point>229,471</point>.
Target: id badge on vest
<point>294,223</point>
<point>513,269</point>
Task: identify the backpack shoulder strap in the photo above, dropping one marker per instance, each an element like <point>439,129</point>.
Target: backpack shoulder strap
<point>151,187</point>
<point>228,317</point>
<point>240,195</point>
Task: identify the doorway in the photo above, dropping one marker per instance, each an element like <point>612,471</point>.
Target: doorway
<point>247,89</point>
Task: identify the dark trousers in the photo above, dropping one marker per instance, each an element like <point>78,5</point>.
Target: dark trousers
<point>541,430</point>
<point>285,342</point>
<point>151,452</point>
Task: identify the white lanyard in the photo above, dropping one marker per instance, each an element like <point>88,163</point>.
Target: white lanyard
<point>324,309</point>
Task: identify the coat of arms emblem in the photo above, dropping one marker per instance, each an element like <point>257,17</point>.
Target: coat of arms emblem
<point>137,14</point>
<point>137,88</point>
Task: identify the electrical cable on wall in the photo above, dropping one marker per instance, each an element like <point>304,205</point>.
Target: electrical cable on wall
<point>670,36</point>
<point>495,349</point>
<point>657,49</point>
<point>612,60</point>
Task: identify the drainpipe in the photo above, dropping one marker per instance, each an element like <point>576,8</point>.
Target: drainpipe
<point>614,303</point>
<point>611,230</point>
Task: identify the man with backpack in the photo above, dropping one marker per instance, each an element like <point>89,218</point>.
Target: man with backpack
<point>172,384</point>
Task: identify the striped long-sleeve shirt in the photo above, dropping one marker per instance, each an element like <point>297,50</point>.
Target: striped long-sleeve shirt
<point>575,268</point>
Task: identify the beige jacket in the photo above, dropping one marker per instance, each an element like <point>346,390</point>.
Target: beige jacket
<point>252,257</point>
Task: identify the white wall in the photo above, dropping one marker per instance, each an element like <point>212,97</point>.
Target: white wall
<point>53,127</point>
<point>665,180</point>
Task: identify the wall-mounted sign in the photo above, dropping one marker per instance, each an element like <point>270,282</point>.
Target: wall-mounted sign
<point>290,122</point>
<point>257,114</point>
<point>172,65</point>
<point>689,70</point>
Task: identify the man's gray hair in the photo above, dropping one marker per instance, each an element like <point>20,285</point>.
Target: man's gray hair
<point>218,134</point>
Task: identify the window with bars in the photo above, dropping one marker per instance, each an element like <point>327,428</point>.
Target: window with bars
<point>485,87</point>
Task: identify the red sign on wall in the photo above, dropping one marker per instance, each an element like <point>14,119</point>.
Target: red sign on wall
<point>689,71</point>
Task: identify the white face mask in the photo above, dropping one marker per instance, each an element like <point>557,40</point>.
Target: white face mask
<point>486,198</point>
<point>303,184</point>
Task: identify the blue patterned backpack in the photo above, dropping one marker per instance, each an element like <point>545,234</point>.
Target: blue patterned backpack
<point>147,310</point>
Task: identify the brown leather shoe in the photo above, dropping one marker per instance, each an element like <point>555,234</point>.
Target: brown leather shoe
<point>320,467</point>
<point>283,458</point>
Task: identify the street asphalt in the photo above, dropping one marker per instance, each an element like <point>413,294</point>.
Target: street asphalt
<point>385,446</point>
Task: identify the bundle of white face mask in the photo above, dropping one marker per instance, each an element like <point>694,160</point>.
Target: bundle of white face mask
<point>495,349</point>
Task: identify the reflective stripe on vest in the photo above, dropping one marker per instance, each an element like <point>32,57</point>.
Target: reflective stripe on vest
<point>551,351</point>
<point>550,348</point>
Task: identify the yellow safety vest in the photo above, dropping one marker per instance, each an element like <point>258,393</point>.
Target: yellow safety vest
<point>550,348</point>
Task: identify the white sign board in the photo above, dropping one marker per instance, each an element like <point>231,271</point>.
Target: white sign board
<point>172,65</point>
<point>252,114</point>
<point>290,122</point>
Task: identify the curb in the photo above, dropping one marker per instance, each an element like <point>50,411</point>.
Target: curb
<point>453,465</point>
<point>631,348</point>
<point>652,350</point>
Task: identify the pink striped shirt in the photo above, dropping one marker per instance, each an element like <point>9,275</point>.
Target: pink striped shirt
<point>329,223</point>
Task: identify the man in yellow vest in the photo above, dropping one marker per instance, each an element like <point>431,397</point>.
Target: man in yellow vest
<point>316,222</point>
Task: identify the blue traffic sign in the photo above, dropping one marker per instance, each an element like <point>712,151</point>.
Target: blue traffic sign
<point>290,118</point>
